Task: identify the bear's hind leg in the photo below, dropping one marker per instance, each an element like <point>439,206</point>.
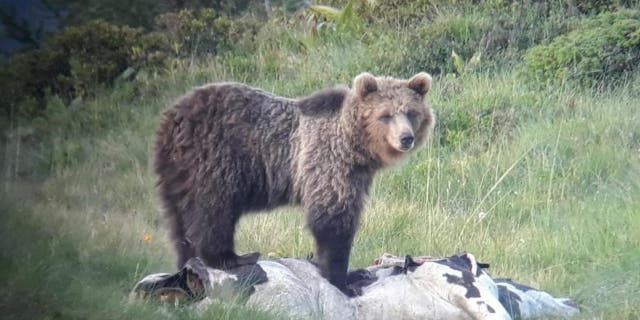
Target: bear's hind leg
<point>184,246</point>
<point>185,251</point>
<point>216,241</point>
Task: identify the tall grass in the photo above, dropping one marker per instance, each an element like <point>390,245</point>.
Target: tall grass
<point>542,182</point>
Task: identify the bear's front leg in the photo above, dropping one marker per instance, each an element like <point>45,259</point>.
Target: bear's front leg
<point>334,233</point>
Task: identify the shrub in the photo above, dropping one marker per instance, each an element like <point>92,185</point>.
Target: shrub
<point>73,63</point>
<point>204,32</point>
<point>81,59</point>
<point>433,43</point>
<point>139,13</point>
<point>604,47</point>
<point>588,6</point>
<point>495,31</point>
<point>95,53</point>
<point>404,13</point>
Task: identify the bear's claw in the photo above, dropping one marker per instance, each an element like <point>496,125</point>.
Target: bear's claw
<point>249,258</point>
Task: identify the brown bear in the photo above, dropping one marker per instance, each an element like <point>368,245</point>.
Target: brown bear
<point>226,149</point>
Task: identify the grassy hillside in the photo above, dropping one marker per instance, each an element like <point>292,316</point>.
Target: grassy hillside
<point>537,173</point>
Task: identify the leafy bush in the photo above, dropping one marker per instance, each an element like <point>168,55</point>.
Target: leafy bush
<point>92,54</point>
<point>188,33</point>
<point>140,13</point>
<point>588,6</point>
<point>74,63</point>
<point>81,59</point>
<point>344,20</point>
<point>204,32</point>
<point>495,31</point>
<point>604,47</point>
<point>437,40</point>
<point>404,13</point>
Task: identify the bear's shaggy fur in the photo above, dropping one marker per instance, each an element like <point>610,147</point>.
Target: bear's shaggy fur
<point>226,149</point>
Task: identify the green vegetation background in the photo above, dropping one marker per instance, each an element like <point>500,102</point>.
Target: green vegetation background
<point>534,165</point>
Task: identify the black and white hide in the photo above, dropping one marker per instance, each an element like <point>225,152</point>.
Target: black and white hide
<point>456,287</point>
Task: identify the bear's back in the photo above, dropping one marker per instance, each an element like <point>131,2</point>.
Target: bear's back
<point>228,131</point>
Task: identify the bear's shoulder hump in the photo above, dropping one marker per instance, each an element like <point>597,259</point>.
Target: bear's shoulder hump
<point>323,102</point>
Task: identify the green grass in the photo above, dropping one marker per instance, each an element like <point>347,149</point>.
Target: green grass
<point>541,182</point>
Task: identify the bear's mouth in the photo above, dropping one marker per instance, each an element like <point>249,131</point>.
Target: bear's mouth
<point>402,148</point>
<point>405,148</point>
<point>397,148</point>
<point>397,151</point>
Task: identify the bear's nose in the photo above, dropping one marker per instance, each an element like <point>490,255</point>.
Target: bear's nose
<point>406,140</point>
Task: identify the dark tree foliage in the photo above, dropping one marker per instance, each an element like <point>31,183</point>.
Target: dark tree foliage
<point>142,13</point>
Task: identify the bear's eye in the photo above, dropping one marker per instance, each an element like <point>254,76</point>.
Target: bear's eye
<point>386,117</point>
<point>411,115</point>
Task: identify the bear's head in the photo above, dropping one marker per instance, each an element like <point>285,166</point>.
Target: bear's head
<point>391,115</point>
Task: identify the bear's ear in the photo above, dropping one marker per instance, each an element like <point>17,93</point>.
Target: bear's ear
<point>364,84</point>
<point>420,83</point>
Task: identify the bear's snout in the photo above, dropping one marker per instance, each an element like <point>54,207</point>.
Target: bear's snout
<point>400,134</point>
<point>406,141</point>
